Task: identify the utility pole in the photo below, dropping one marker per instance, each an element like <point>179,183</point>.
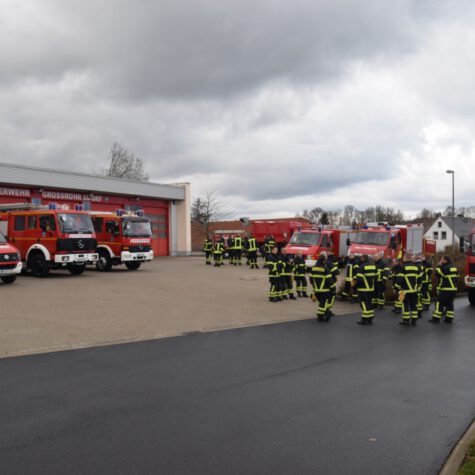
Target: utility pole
<point>452,172</point>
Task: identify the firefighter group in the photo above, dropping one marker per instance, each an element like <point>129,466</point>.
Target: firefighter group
<point>366,279</point>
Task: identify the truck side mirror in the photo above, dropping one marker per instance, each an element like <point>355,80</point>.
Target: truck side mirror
<point>462,245</point>
<point>393,244</point>
<point>348,241</point>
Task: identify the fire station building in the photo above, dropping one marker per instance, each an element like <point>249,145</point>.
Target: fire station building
<point>167,206</point>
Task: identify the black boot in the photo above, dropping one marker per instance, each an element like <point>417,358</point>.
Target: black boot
<point>292,297</point>
<point>413,322</point>
<point>434,320</point>
<point>304,295</point>
<point>272,299</point>
<point>362,321</point>
<point>448,320</point>
<point>404,323</point>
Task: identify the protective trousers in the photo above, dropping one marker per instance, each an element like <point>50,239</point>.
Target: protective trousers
<point>445,305</point>
<point>425,294</point>
<point>301,284</point>
<point>366,303</point>
<point>409,306</point>
<point>349,290</point>
<point>378,296</point>
<point>252,255</point>
<point>208,257</point>
<point>275,288</point>
<point>323,299</point>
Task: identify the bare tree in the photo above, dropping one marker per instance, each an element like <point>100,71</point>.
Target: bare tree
<point>124,164</point>
<point>208,208</point>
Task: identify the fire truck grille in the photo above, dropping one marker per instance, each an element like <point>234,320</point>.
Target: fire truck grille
<point>76,245</point>
<point>139,248</point>
<point>471,268</point>
<point>7,266</point>
<point>13,257</point>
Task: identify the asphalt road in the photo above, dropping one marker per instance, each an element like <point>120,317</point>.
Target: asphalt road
<point>293,398</point>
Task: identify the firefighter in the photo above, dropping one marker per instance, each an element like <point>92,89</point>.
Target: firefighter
<point>299,275</point>
<point>283,291</point>
<point>365,278</point>
<point>266,248</point>
<point>237,250</point>
<point>322,281</point>
<point>287,270</point>
<point>351,267</point>
<point>381,280</point>
<point>409,281</point>
<point>426,284</point>
<point>218,252</point>
<point>447,277</point>
<point>332,264</point>
<point>395,273</point>
<point>245,248</point>
<point>230,248</point>
<point>272,264</point>
<point>208,249</point>
<point>252,252</point>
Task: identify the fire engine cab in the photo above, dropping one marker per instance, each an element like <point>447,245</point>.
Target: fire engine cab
<point>49,237</point>
<point>122,239</point>
<point>10,261</point>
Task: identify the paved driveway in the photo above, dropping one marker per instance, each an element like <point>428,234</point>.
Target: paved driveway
<point>167,297</point>
<point>291,398</point>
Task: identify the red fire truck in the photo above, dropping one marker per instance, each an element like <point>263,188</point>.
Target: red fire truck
<point>281,230</point>
<point>312,242</point>
<point>469,249</point>
<point>49,237</point>
<point>10,261</point>
<point>122,239</point>
<point>392,241</point>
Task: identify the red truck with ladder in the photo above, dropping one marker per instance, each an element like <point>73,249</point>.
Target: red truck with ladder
<point>468,247</point>
<point>122,239</point>
<point>49,237</point>
<point>312,242</point>
<point>10,261</point>
<point>392,241</point>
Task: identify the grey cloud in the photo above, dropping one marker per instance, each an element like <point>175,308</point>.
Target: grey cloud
<point>206,48</point>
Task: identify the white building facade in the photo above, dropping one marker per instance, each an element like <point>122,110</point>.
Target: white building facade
<point>441,231</point>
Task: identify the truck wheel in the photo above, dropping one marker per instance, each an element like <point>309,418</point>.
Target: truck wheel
<point>38,265</point>
<point>9,279</point>
<point>132,265</point>
<point>471,296</point>
<point>104,263</point>
<point>76,269</point>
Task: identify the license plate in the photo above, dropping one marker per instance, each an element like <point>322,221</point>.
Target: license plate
<point>6,271</point>
<point>141,256</point>
<point>81,258</point>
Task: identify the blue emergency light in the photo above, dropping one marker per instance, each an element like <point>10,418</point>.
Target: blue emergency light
<point>79,207</point>
<point>52,206</point>
<point>119,212</point>
<point>139,212</point>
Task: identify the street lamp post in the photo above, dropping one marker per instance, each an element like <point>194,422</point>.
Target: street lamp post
<point>452,172</point>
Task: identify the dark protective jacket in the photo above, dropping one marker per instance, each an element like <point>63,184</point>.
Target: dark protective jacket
<point>365,277</point>
<point>299,266</point>
<point>409,278</point>
<point>448,277</point>
<point>208,246</point>
<point>321,277</point>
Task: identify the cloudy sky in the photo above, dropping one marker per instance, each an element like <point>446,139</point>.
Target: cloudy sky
<point>276,105</point>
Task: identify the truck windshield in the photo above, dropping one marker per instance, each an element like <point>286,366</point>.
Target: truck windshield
<point>375,239</point>
<point>2,239</point>
<point>137,228</point>
<point>305,239</point>
<point>75,223</point>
